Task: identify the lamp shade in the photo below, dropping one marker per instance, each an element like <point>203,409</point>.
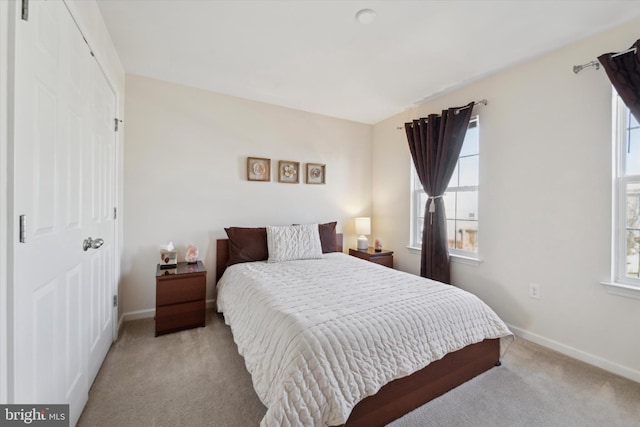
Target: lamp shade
<point>363,225</point>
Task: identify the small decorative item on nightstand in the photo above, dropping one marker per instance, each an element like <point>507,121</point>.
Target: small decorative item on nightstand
<point>168,256</point>
<point>363,227</point>
<point>191,256</point>
<point>378,245</point>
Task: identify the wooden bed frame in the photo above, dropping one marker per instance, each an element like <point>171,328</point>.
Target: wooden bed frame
<point>403,395</point>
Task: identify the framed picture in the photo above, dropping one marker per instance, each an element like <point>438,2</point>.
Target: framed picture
<point>315,173</point>
<point>288,171</point>
<point>258,169</point>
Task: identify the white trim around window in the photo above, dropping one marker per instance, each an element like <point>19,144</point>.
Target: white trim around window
<point>625,247</point>
<point>460,259</point>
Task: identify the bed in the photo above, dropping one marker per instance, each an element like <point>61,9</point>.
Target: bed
<point>332,340</point>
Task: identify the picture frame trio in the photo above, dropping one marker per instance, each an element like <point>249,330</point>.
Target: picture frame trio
<point>259,169</point>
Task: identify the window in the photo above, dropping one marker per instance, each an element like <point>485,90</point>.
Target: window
<point>460,199</point>
<point>627,200</point>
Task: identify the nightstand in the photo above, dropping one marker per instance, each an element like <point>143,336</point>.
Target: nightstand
<point>383,257</point>
<point>180,297</point>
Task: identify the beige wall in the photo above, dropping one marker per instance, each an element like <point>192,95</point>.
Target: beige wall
<point>545,202</point>
<point>185,175</point>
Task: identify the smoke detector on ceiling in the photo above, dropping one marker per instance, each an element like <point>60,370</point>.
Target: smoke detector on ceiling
<point>366,16</point>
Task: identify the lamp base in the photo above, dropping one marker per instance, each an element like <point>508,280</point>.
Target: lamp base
<point>363,243</point>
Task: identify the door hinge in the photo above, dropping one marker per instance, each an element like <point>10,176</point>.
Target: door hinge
<point>115,300</point>
<point>25,10</point>
<point>22,234</point>
<point>115,213</point>
<point>117,121</point>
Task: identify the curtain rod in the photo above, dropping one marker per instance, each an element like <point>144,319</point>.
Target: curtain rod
<point>482,101</point>
<point>595,63</point>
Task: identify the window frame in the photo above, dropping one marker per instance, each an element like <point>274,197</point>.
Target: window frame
<point>417,207</point>
<point>620,182</point>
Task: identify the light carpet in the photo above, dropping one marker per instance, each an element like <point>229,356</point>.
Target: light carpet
<point>197,378</point>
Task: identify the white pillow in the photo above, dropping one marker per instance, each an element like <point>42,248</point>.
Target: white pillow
<point>288,243</point>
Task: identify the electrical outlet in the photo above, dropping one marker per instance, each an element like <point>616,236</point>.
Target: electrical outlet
<point>534,290</point>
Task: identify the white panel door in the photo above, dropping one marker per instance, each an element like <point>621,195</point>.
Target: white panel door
<point>99,198</point>
<point>63,184</point>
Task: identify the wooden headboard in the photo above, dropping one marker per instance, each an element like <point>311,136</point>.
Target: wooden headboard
<point>222,254</point>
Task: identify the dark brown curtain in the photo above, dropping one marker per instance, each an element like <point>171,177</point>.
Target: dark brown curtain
<point>435,143</point>
<point>624,72</point>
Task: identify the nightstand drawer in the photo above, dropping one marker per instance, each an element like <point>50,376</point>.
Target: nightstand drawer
<point>180,316</point>
<point>180,289</point>
<point>386,260</point>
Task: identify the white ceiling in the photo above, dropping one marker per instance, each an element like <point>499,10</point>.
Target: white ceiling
<point>314,56</point>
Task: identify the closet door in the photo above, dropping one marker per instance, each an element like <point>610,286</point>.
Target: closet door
<point>63,190</point>
<point>99,222</point>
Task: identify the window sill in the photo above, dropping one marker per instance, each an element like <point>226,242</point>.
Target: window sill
<point>414,250</point>
<point>622,290</point>
<point>460,259</point>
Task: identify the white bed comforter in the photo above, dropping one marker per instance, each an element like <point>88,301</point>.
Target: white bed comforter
<point>318,336</point>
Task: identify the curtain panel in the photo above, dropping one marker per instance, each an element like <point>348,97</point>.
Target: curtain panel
<point>435,143</point>
<point>624,72</point>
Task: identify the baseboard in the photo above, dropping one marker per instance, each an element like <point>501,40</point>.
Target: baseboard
<point>120,323</point>
<point>151,312</point>
<point>139,314</point>
<point>583,356</point>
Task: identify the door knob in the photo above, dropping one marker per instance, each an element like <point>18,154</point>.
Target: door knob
<point>91,243</point>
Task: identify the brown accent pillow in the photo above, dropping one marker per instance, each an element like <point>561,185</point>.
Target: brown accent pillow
<point>247,244</point>
<point>328,237</point>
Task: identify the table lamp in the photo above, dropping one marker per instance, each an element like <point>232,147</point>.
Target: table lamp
<point>363,227</point>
